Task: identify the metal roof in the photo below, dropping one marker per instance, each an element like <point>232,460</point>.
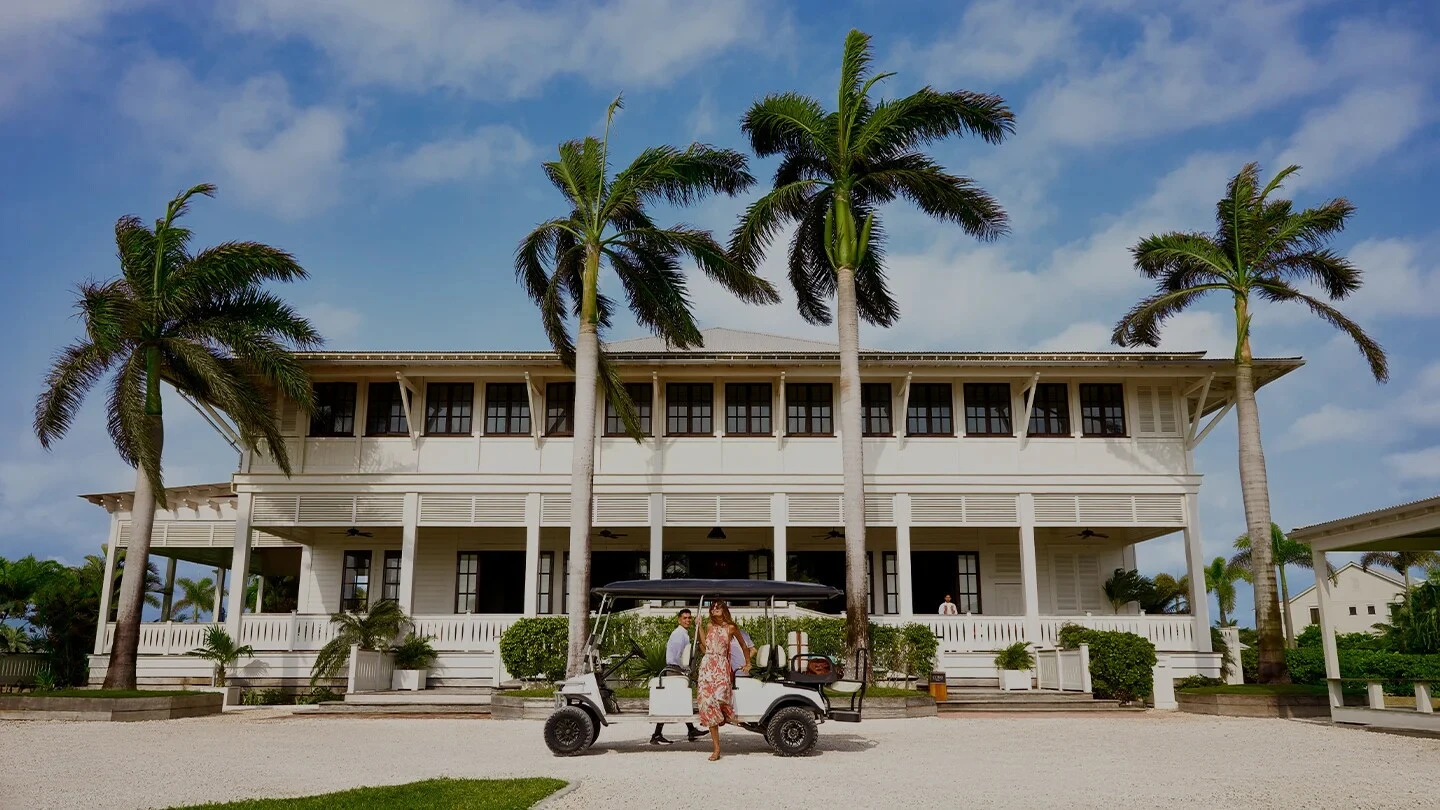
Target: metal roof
<point>727,341</point>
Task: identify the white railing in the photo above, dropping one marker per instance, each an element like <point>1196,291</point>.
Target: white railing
<point>295,632</point>
<point>970,633</point>
<point>1170,632</point>
<point>166,638</point>
<point>1063,670</point>
<point>464,632</point>
<point>370,671</point>
<point>736,611</point>
<point>20,669</point>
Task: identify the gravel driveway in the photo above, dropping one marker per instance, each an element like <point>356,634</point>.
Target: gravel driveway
<point>1142,760</point>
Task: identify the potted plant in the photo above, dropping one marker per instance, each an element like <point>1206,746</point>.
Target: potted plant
<point>413,658</point>
<point>222,650</point>
<point>1015,663</point>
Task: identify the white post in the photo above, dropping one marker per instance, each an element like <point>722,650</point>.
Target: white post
<point>1195,568</point>
<point>307,569</point>
<point>657,534</point>
<point>780,513</point>
<point>902,554</point>
<point>111,549</point>
<point>1163,693</point>
<point>220,595</point>
<point>1375,693</point>
<point>532,553</point>
<point>1327,631</point>
<point>409,542</point>
<point>292,631</point>
<point>259,593</point>
<point>1422,698</point>
<point>1085,668</point>
<point>1029,570</point>
<point>239,561</point>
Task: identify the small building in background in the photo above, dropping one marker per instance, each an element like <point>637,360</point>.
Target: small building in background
<point>1362,599</point>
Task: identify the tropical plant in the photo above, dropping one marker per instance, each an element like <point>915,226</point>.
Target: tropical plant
<point>1283,552</point>
<point>14,639</point>
<point>534,648</point>
<point>66,610</point>
<point>20,580</point>
<point>1260,249</point>
<point>1124,587</point>
<point>559,264</point>
<point>836,170</point>
<point>1400,561</point>
<point>1167,594</point>
<point>196,596</point>
<point>220,648</point>
<point>1414,625</point>
<point>1017,656</point>
<point>204,324</point>
<point>414,652</point>
<point>1220,578</point>
<point>374,630</point>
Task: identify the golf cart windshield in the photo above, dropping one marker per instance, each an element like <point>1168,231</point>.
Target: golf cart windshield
<point>736,589</point>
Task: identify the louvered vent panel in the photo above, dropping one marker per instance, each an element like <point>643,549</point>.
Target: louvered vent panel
<point>266,510</point>
<point>123,538</point>
<point>1165,419</point>
<point>1145,394</point>
<point>1056,509</point>
<point>691,509</point>
<point>289,416</point>
<point>1005,566</point>
<point>189,533</point>
<point>1067,599</point>
<point>815,510</point>
<point>446,510</point>
<point>380,509</point>
<point>879,509</point>
<point>329,509</point>
<point>947,509</point>
<point>991,509</point>
<point>555,510</point>
<point>1107,509</point>
<point>503,510</point>
<point>1166,510</point>
<point>744,509</point>
<point>622,510</point>
<point>1087,568</point>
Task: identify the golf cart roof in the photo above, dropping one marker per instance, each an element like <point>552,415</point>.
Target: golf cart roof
<point>718,588</point>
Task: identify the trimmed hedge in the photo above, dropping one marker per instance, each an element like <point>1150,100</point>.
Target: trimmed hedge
<point>1398,671</point>
<point>1121,664</point>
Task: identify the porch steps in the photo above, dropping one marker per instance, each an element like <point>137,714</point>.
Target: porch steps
<point>445,700</point>
<point>1034,701</point>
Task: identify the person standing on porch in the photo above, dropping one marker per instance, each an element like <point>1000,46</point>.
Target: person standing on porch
<point>675,660</point>
<point>948,608</point>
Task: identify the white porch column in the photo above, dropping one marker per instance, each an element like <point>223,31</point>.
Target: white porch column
<point>780,514</point>
<point>1327,630</point>
<point>409,541</point>
<point>307,571</point>
<point>259,593</point>
<point>1029,570</point>
<point>1195,568</point>
<point>239,561</point>
<point>532,553</point>
<point>902,554</point>
<point>111,549</point>
<point>220,594</point>
<point>657,536</point>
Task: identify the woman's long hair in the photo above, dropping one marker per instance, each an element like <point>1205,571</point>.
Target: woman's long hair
<point>725,619</point>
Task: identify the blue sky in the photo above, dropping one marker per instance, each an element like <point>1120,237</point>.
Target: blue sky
<point>394,148</point>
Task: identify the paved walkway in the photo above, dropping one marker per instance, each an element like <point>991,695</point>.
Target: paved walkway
<point>1143,760</point>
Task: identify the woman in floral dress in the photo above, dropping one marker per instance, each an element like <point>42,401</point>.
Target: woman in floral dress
<point>714,679</point>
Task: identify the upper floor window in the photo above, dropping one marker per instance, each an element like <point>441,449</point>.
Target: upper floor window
<point>334,413</point>
<point>689,409</point>
<point>385,411</point>
<point>747,409</point>
<point>507,409</point>
<point>642,394</point>
<point>355,582</point>
<point>987,409</point>
<point>929,412</point>
<point>809,409</point>
<point>449,408</point>
<point>1050,413</point>
<point>875,406</point>
<point>1102,409</point>
<point>560,409</point>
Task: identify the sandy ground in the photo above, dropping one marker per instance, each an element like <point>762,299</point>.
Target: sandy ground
<point>1142,760</point>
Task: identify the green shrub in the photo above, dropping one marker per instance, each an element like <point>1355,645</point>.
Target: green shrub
<point>536,647</point>
<point>1071,636</point>
<point>1017,657</point>
<point>265,697</point>
<point>1121,664</point>
<point>1217,644</point>
<point>319,694</point>
<point>1250,664</point>
<point>1398,671</point>
<point>1197,682</point>
<point>414,652</point>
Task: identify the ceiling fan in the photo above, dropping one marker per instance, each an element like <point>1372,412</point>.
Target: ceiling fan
<point>1087,534</point>
<point>609,535</point>
<point>354,532</point>
<point>833,534</point>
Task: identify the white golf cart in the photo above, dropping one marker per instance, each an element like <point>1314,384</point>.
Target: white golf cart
<point>784,698</point>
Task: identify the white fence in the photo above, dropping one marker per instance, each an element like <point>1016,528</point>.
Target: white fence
<point>370,671</point>
<point>986,633</point>
<point>294,632</point>
<point>1063,670</point>
<point>1167,632</point>
<point>20,669</point>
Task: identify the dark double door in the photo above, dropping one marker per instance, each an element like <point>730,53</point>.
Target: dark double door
<point>934,574</point>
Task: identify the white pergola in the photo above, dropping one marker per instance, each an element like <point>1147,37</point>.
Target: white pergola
<point>1411,526</point>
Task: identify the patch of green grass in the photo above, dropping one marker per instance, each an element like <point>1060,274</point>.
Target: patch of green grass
<point>882,691</point>
<point>1258,689</point>
<point>109,693</point>
<point>457,794</point>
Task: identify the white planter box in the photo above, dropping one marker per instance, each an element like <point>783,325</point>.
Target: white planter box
<point>1015,680</point>
<point>409,679</point>
<point>231,693</point>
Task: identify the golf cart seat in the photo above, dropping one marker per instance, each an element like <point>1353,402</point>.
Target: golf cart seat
<point>808,668</point>
<point>670,680</point>
<point>771,660</point>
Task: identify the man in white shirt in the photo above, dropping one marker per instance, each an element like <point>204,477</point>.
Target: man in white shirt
<point>948,608</point>
<point>737,655</point>
<point>675,662</point>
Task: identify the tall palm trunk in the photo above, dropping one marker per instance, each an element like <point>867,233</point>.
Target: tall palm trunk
<point>857,613</point>
<point>120,672</point>
<point>168,595</point>
<point>582,464</point>
<point>1255,489</point>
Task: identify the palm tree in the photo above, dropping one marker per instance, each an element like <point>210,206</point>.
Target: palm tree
<point>201,323</point>
<point>15,640</point>
<point>1400,561</point>
<point>837,169</point>
<point>196,596</point>
<point>1283,552</point>
<point>559,265</point>
<point>20,580</point>
<point>1220,578</point>
<point>1124,587</point>
<point>1169,594</point>
<point>374,630</point>
<point>221,648</point>
<point>1260,248</point>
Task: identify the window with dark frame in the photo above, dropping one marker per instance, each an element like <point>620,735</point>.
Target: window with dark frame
<point>449,408</point>
<point>987,409</point>
<point>747,409</point>
<point>1102,409</point>
<point>545,578</point>
<point>334,411</point>
<point>929,412</point>
<point>1352,610</point>
<point>1370,609</point>
<point>507,409</point>
<point>689,408</point>
<point>875,404</point>
<point>560,409</point>
<point>1314,615</point>
<point>967,587</point>
<point>1050,411</point>
<point>467,581</point>
<point>390,577</point>
<point>385,411</point>
<point>891,566</point>
<point>810,409</point>
<point>643,395</point>
<point>565,584</point>
<point>355,582</point>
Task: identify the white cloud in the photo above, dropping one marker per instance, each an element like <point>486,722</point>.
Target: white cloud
<point>334,323</point>
<point>1366,124</point>
<point>488,149</point>
<point>701,121</point>
<point>1416,464</point>
<point>1395,282</point>
<point>1393,417</point>
<point>47,43</point>
<point>493,49</point>
<point>270,152</point>
<point>998,40</point>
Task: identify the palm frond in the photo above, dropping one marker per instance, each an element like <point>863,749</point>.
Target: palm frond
<point>679,177</point>
<point>72,375</point>
<point>1141,325</point>
<point>927,115</point>
<point>128,424</point>
<point>656,289</point>
<point>1193,256</point>
<point>233,267</point>
<point>764,219</point>
<point>939,194</point>
<point>785,123</point>
<point>1276,290</point>
<point>712,259</point>
<point>854,65</point>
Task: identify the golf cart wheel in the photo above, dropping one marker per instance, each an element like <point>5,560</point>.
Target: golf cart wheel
<point>569,731</point>
<point>791,731</point>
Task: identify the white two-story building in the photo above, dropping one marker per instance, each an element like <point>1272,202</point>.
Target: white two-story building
<point>1014,482</point>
